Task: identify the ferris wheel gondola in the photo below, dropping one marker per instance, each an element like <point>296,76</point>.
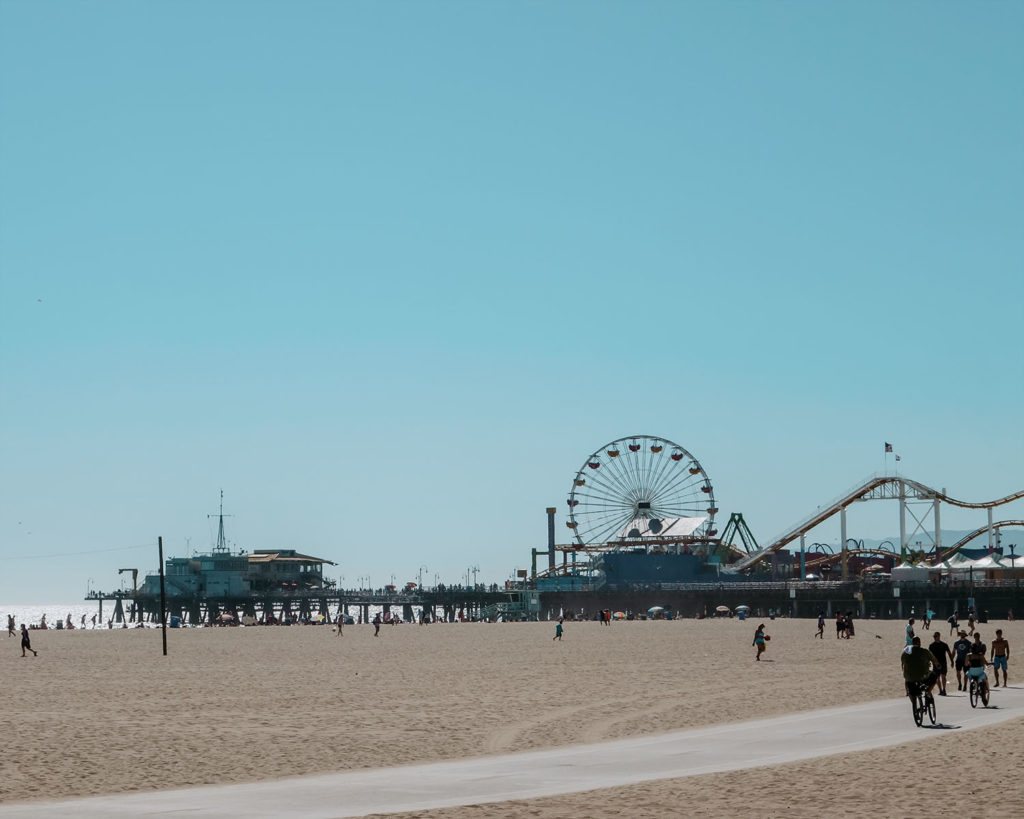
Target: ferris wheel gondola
<point>640,485</point>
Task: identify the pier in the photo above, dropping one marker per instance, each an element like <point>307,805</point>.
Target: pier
<point>444,603</point>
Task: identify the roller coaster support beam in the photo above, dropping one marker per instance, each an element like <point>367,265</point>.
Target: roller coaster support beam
<point>803,556</point>
<point>842,535</point>
<point>903,521</point>
<point>938,528</point>
<point>990,545</point>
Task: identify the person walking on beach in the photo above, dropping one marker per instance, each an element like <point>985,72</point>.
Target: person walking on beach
<point>558,630</point>
<point>10,626</point>
<point>759,640</point>
<point>26,643</point>
<point>341,621</point>
<point>954,624</point>
<point>942,655</point>
<point>910,631</point>
<point>376,624</point>
<point>821,625</point>
<point>1000,656</point>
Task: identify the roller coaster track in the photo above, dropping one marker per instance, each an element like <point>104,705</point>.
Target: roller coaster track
<point>945,554</point>
<point>875,487</point>
<point>821,560</point>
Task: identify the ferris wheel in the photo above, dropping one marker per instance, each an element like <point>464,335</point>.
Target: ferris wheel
<point>641,487</point>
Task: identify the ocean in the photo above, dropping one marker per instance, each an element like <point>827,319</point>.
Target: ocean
<point>31,615</point>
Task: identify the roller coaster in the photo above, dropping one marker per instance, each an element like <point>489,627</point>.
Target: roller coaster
<point>879,487</point>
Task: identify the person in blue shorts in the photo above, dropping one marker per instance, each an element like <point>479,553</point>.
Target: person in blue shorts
<point>1000,656</point>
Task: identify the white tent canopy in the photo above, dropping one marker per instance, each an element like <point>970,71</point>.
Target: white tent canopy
<point>949,566</point>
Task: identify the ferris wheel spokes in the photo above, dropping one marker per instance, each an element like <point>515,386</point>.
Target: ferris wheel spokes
<point>639,478</point>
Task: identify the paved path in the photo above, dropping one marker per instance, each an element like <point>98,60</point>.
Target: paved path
<point>547,773</point>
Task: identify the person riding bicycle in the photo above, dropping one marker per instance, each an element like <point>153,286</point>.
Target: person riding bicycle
<point>976,664</point>
<point>919,666</point>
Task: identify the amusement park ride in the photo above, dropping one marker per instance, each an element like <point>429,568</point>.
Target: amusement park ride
<point>645,495</point>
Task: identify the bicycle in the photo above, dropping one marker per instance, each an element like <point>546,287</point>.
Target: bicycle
<point>921,703</point>
<point>978,691</point>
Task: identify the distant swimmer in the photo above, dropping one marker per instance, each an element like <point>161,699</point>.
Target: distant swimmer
<point>26,643</point>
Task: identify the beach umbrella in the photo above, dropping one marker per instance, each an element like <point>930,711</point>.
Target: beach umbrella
<point>655,609</point>
<point>722,609</point>
<point>619,615</point>
<point>742,608</point>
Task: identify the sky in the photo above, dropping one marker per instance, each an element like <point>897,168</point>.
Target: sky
<point>386,274</point>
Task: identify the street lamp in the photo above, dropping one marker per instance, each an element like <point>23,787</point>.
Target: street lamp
<point>422,568</point>
<point>474,570</point>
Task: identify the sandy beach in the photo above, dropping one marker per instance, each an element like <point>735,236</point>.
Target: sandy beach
<point>102,712</point>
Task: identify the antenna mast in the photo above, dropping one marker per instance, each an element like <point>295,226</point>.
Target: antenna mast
<point>222,543</point>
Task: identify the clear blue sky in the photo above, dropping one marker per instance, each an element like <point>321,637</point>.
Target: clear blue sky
<point>387,273</point>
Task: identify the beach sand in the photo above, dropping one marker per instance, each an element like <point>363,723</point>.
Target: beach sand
<point>103,712</point>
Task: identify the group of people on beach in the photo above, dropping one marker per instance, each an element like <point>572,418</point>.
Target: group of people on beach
<point>968,655</point>
<point>844,625</point>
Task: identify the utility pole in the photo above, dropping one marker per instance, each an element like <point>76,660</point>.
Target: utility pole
<point>163,595</point>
